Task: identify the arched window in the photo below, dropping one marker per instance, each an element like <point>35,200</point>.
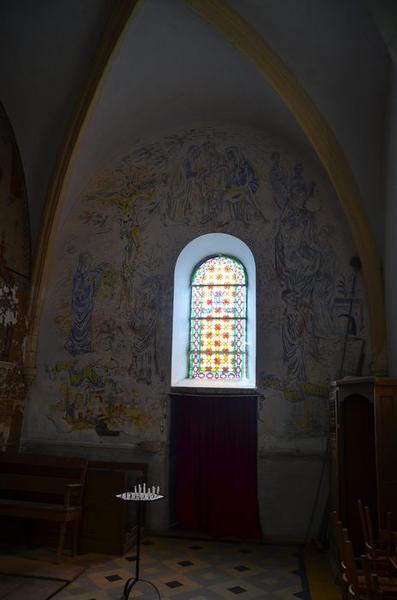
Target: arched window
<point>224,308</point>
<point>218,319</point>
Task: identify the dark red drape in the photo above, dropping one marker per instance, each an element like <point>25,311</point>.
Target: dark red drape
<point>216,465</point>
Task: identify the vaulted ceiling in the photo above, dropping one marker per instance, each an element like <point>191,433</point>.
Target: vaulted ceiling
<point>172,68</point>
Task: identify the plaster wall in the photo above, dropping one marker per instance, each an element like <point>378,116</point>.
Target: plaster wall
<point>284,519</point>
<point>391,220</point>
<point>337,53</point>
<point>104,356</point>
<point>46,52</point>
<point>173,68</point>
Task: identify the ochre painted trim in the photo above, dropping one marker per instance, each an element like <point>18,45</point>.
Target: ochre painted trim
<point>322,584</point>
<point>121,13</point>
<point>247,40</point>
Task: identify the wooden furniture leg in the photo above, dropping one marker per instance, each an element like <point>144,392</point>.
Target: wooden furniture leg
<point>62,530</point>
<point>75,537</point>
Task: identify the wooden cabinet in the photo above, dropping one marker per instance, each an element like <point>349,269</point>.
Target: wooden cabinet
<point>363,450</point>
<point>109,524</point>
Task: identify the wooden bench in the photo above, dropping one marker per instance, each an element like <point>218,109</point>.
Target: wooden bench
<point>48,488</point>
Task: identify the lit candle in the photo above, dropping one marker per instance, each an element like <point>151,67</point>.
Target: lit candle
<point>158,489</point>
<point>139,488</point>
<point>144,488</point>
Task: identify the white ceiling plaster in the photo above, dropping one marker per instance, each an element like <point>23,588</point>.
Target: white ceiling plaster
<point>335,50</point>
<point>172,69</point>
<point>46,49</point>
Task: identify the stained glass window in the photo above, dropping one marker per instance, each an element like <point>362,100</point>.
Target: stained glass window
<point>218,319</point>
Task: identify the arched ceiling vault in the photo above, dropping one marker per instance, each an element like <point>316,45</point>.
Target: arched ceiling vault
<point>121,13</point>
<point>249,43</point>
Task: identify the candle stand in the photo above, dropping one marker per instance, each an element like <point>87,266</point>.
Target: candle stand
<point>139,497</point>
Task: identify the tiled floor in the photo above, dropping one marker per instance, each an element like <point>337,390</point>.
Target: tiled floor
<point>26,588</point>
<point>196,570</point>
<point>32,574</point>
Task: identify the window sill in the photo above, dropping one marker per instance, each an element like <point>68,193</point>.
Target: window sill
<point>197,392</point>
<point>245,384</point>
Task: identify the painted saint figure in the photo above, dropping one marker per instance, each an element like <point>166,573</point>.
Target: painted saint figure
<point>305,265</point>
<point>241,186</point>
<point>211,181</point>
<point>84,286</point>
<point>293,333</point>
<point>279,182</point>
<point>324,290</point>
<point>184,193</point>
<point>143,325</point>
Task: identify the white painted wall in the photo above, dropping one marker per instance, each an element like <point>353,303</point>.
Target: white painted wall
<point>46,51</point>
<point>302,248</point>
<point>335,50</point>
<point>173,68</point>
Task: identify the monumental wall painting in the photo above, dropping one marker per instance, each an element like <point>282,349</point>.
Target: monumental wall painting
<point>14,281</point>
<point>105,341</point>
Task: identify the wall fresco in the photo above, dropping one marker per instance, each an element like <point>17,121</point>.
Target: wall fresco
<point>14,222</point>
<point>14,282</point>
<point>105,342</point>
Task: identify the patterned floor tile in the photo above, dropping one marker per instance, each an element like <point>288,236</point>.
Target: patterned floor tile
<point>185,565</point>
<point>183,569</point>
<point>107,580</point>
<point>176,585</point>
<point>92,595</point>
<point>210,577</point>
<point>236,588</point>
<point>241,569</point>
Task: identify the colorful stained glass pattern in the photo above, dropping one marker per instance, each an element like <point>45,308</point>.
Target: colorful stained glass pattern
<point>218,320</point>
<point>214,301</point>
<point>220,270</point>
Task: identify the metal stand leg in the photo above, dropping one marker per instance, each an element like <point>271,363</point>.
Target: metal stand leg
<point>132,581</point>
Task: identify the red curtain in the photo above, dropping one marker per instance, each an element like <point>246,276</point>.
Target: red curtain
<point>216,465</point>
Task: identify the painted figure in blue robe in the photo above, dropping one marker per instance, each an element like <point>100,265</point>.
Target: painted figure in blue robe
<point>84,286</point>
<point>294,331</point>
<point>211,178</point>
<point>241,186</point>
<point>183,187</point>
<point>279,182</point>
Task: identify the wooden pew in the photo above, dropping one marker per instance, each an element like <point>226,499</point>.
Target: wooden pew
<point>47,488</point>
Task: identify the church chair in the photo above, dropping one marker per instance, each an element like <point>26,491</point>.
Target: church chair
<point>363,522</point>
<point>382,573</point>
<point>368,585</point>
<point>355,573</point>
<point>341,536</point>
<point>376,594</point>
<point>337,528</point>
<point>376,549</point>
<point>384,543</point>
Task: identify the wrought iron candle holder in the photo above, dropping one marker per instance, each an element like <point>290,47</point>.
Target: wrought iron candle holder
<point>139,495</point>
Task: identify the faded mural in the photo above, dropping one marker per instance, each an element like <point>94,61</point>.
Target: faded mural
<point>14,283</point>
<point>105,342</point>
